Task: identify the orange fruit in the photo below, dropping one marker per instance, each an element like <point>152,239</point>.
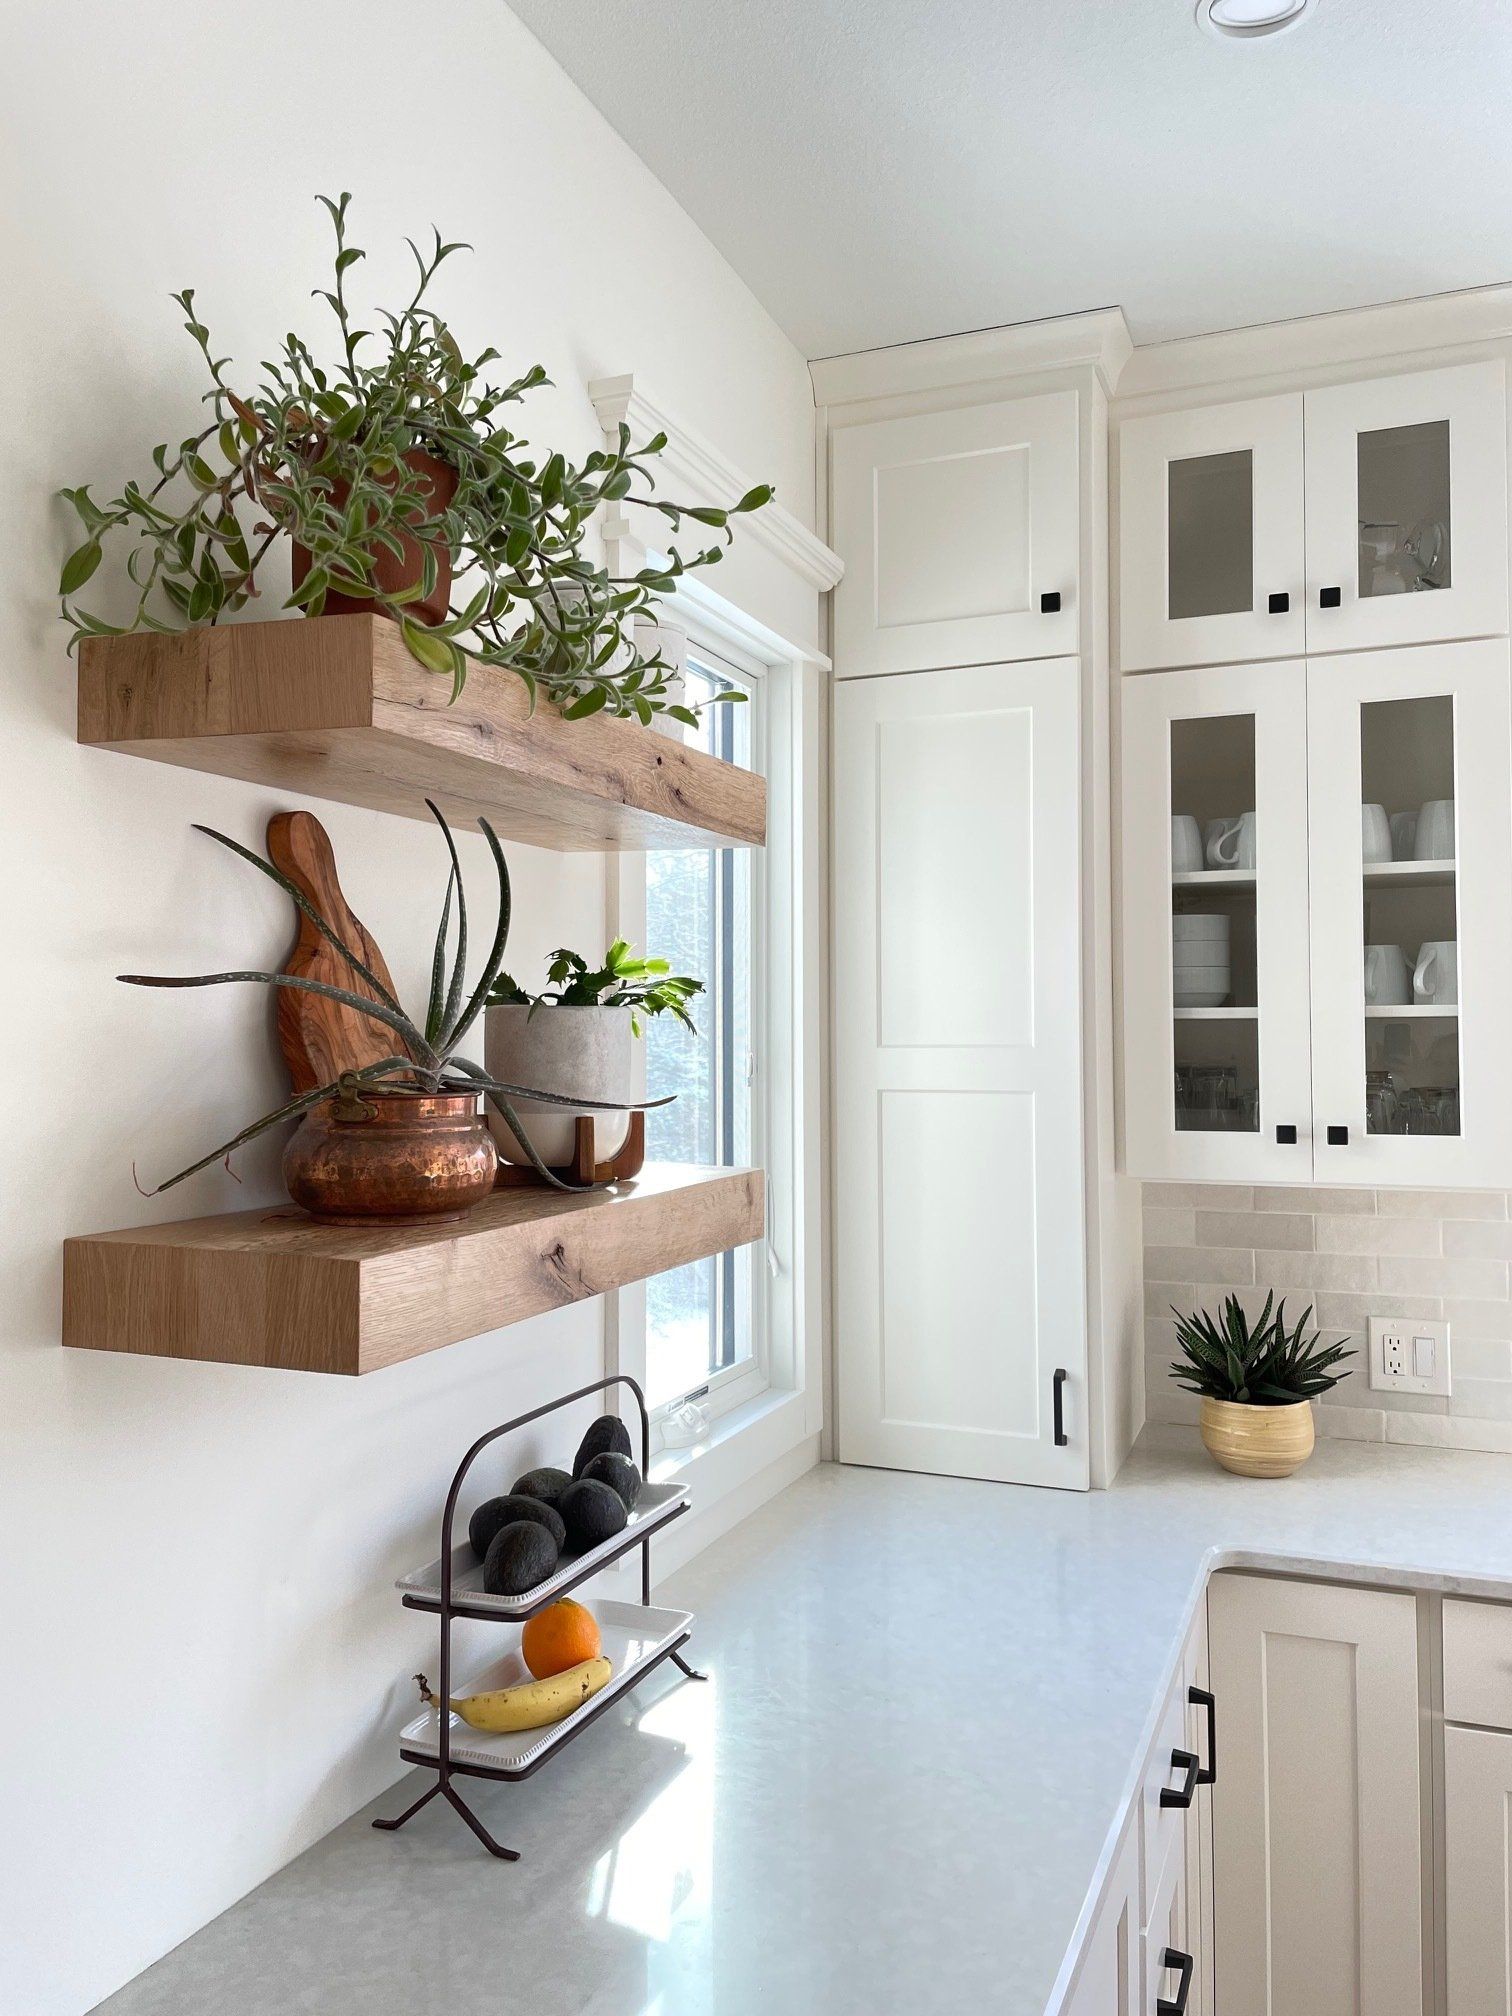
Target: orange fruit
<point>564,1635</point>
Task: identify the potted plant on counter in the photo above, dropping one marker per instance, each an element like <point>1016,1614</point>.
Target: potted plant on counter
<point>579,1030</point>
<point>1256,1383</point>
<point>401,1140</point>
<point>389,468</point>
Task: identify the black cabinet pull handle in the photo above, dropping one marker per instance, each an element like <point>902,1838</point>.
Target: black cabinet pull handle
<point>1201,1698</point>
<point>1183,1964</point>
<point>1277,605</point>
<point>1050,604</point>
<point>1056,1387</point>
<point>1338,1137</point>
<point>1286,1137</point>
<point>1329,598</point>
<point>1185,1761</point>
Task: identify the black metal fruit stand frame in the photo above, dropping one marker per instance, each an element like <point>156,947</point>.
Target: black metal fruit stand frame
<point>582,1718</point>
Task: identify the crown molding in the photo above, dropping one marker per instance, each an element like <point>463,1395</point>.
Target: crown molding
<point>699,474</point>
<point>1098,340</point>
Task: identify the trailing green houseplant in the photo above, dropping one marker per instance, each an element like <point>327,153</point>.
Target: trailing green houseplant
<point>427,1058</point>
<point>388,468</point>
<point>647,987</point>
<point>1256,1381</point>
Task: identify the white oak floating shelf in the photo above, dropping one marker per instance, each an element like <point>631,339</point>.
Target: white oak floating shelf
<point>335,707</point>
<point>273,1288</point>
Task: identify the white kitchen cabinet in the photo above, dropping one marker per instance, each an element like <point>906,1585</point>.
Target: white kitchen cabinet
<point>1478,1871</point>
<point>1197,1841</point>
<point>1108,1981</point>
<point>960,1248</point>
<point>1343,518</point>
<point>1317,1834</point>
<point>1336,1044</point>
<point>1168,1972</point>
<point>959,531</point>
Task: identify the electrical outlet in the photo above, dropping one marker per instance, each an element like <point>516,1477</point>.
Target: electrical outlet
<point>1409,1355</point>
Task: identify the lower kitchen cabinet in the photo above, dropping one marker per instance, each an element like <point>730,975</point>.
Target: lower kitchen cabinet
<point>1478,1871</point>
<point>1108,1981</point>
<point>1317,1832</point>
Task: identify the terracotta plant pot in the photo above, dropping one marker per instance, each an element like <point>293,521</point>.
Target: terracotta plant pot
<point>391,573</point>
<point>1257,1441</point>
<point>589,1051</point>
<point>391,1158</point>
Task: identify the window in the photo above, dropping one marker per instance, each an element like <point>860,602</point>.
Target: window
<point>702,1322</point>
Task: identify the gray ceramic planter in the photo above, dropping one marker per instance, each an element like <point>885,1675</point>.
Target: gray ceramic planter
<point>587,1051</point>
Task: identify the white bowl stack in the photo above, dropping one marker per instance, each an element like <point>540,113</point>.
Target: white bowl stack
<point>1200,955</point>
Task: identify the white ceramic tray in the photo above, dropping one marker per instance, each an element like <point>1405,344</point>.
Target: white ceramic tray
<point>656,1505</point>
<point>633,1637</point>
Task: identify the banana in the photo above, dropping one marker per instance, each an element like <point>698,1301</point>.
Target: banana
<point>531,1705</point>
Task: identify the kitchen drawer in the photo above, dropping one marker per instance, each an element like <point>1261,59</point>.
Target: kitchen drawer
<point>1166,1946</point>
<point>1478,1663</point>
<point>1163,1828</point>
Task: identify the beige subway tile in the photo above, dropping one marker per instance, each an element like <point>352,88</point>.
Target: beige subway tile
<point>1211,1295</point>
<point>1480,1399</point>
<point>1442,1203</point>
<point>1481,1280</point>
<point>1477,1319</point>
<point>1348,1424</point>
<point>1314,1274</point>
<point>1198,1263</point>
<point>1478,1238</point>
<point>1433,1431</point>
<point>1478,1358</point>
<point>1192,1196</point>
<point>1160,1295</point>
<point>1268,1229</point>
<point>1169,1225</point>
<point>1353,1312</point>
<point>1312,1197</point>
<point>1408,1236</point>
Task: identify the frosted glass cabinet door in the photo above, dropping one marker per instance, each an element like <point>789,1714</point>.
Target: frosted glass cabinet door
<point>1210,535</point>
<point>960,1263</point>
<point>1407,509</point>
<point>1410,816</point>
<point>959,533</point>
<point>1215,1000</point>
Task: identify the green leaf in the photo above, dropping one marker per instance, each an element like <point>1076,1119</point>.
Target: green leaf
<point>434,653</point>
<point>589,703</point>
<point>78,567</point>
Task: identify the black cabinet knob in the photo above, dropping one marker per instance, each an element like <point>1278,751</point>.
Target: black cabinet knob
<point>1329,598</point>
<point>1338,1137</point>
<point>1277,605</point>
<point>1286,1137</point>
<point>1050,604</point>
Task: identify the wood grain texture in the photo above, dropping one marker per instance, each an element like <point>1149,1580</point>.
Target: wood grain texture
<point>335,707</point>
<point>273,1288</point>
<point>320,1039</point>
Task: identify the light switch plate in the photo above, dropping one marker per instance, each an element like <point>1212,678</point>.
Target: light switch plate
<point>1409,1355</point>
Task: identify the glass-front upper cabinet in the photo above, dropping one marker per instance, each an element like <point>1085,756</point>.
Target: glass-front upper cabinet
<point>1215,1025</point>
<point>1407,509</point>
<point>1211,566</point>
<point>1410,814</point>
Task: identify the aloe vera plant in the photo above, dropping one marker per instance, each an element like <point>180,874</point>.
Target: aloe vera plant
<point>428,1055</point>
<point>1263,1363</point>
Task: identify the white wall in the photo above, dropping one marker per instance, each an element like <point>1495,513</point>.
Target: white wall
<point>202,1661</point>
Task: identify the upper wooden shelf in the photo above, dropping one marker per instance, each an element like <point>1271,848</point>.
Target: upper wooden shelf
<point>274,1288</point>
<point>335,707</point>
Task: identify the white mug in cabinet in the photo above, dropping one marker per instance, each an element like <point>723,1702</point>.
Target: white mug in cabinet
<point>1403,835</point>
<point>1186,845</point>
<point>1387,983</point>
<point>1435,979</point>
<point>1435,831</point>
<point>1231,842</point>
<point>1375,833</point>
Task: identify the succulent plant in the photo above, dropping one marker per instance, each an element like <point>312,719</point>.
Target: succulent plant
<point>319,453</point>
<point>644,986</point>
<point>1261,1363</point>
<point>427,1056</point>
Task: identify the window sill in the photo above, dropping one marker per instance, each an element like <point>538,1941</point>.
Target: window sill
<point>724,1471</point>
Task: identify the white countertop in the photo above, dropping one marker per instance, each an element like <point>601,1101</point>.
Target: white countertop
<point>928,1701</point>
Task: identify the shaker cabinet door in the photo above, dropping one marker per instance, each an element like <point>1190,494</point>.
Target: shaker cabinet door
<point>1478,1871</point>
<point>1210,535</point>
<point>960,537</point>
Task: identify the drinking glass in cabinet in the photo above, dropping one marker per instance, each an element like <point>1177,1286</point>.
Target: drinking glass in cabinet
<point>1402,476</point>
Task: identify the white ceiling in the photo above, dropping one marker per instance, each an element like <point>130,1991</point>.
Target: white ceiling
<point>880,170</point>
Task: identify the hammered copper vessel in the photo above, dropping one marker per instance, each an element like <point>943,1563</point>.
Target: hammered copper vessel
<point>391,1158</point>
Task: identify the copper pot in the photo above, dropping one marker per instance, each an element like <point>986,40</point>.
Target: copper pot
<point>391,573</point>
<point>391,1158</point>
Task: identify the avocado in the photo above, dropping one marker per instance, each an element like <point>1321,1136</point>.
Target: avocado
<point>619,1473</point>
<point>607,1435</point>
<point>496,1512</point>
<point>545,1485</point>
<point>591,1512</point>
<point>519,1556</point>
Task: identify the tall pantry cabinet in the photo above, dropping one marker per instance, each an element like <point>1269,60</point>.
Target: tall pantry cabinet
<point>981,1236</point>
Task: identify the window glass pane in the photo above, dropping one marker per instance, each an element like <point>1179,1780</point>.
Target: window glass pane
<point>1210,561</point>
<point>698,916</point>
<point>1403,492</point>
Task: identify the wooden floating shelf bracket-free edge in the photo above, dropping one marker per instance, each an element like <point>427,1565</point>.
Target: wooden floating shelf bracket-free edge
<point>274,1288</point>
<point>335,707</point>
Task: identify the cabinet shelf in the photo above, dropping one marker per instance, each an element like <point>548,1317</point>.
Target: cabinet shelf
<point>1419,1011</point>
<point>335,707</point>
<point>1215,1014</point>
<point>1213,878</point>
<point>1409,874</point>
<point>274,1288</point>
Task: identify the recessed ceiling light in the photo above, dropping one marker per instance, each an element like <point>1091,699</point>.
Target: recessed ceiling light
<point>1246,20</point>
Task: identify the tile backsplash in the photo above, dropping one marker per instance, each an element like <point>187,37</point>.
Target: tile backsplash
<point>1353,1254</point>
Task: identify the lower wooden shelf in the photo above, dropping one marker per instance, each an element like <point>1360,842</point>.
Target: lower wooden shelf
<point>272,1288</point>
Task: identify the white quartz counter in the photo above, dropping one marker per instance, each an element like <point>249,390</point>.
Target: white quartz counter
<point>927,1702</point>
